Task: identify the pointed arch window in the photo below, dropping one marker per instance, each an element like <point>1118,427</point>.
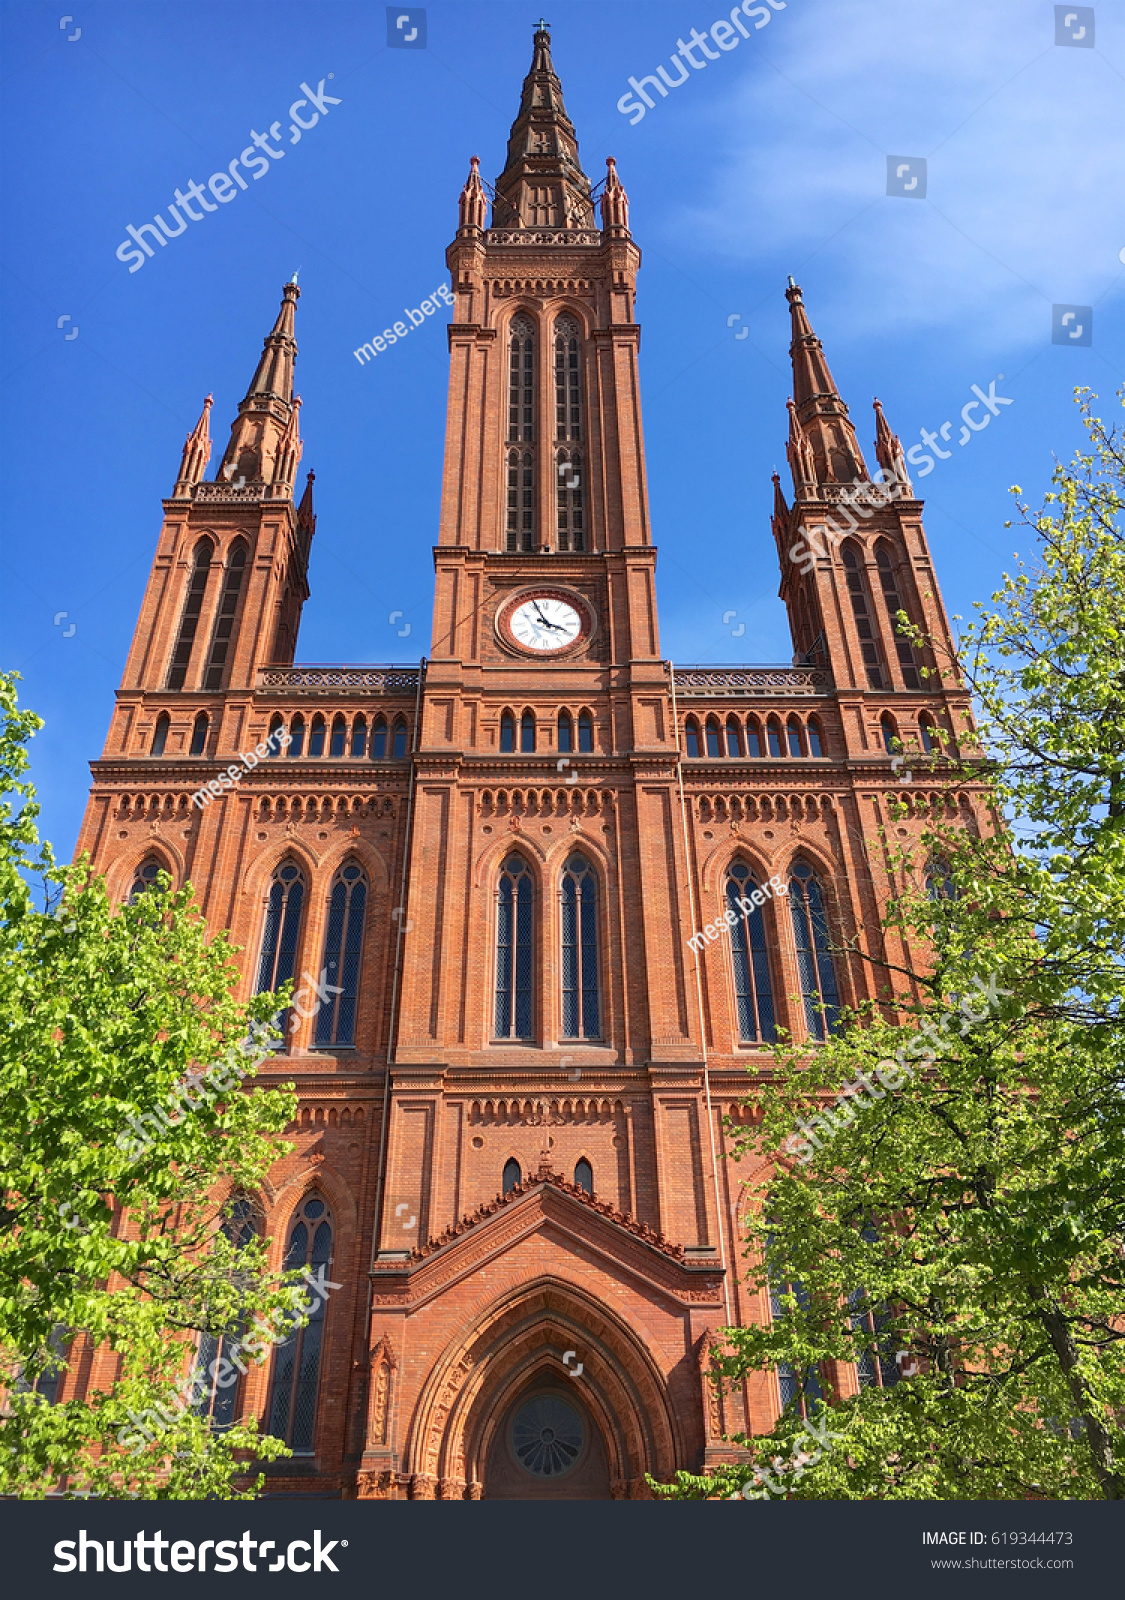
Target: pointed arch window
<point>816,743</point>
<point>584,1176</point>
<point>507,733</point>
<point>199,735</point>
<point>734,742</point>
<point>752,987</point>
<point>46,1383</point>
<point>566,732</point>
<point>691,738</point>
<point>160,734</point>
<point>339,741</point>
<point>585,733</point>
<point>379,739</point>
<point>571,514</point>
<point>145,877</point>
<point>793,735</point>
<point>513,1175</point>
<point>296,736</point>
<point>228,608</point>
<point>218,1401</point>
<point>281,933</point>
<point>343,947</point>
<point>876,1367</point>
<point>316,736</point>
<point>714,748</point>
<point>753,737</point>
<point>906,658</point>
<point>814,958</point>
<point>861,614</point>
<point>889,732</point>
<point>797,1390</point>
<point>926,729</point>
<point>521,379</point>
<point>527,731</point>
<point>193,605</point>
<point>359,736</point>
<point>521,501</point>
<point>581,1012</point>
<point>514,922</point>
<point>939,881</point>
<point>296,1367</point>
<point>568,380</point>
<point>398,739</point>
<point>275,741</point>
<point>773,736</point>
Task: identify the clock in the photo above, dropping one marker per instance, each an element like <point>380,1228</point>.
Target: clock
<point>544,622</point>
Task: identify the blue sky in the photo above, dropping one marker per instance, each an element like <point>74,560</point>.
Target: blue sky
<point>769,160</point>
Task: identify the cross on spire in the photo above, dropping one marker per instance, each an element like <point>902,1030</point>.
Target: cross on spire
<point>542,25</point>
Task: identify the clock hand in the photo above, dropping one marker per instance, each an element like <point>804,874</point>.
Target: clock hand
<point>544,621</point>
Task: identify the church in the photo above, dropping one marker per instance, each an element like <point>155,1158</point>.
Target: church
<point>546,898</point>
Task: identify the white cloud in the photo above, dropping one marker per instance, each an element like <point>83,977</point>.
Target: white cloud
<point>1025,143</point>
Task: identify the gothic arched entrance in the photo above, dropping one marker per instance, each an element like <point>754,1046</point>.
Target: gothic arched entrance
<point>601,1423</point>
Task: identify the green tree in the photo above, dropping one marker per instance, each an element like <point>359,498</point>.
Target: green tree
<point>955,1223</point>
<point>122,1118</point>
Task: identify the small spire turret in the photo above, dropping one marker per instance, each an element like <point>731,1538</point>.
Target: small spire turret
<point>615,202</point>
<point>197,453</point>
<point>888,449</point>
<point>474,201</point>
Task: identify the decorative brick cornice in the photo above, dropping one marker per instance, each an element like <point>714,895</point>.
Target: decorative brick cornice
<point>708,682</point>
<point>523,237</point>
<point>391,680</point>
<point>473,1219</point>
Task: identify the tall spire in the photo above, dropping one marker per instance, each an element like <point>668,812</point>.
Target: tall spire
<point>197,453</point>
<point>821,412</point>
<point>274,376</point>
<point>264,444</point>
<point>543,184</point>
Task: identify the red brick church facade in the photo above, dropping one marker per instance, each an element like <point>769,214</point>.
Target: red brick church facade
<point>484,871</point>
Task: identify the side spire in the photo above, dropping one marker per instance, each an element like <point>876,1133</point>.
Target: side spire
<point>819,408</point>
<point>474,201</point>
<point>799,454</point>
<point>542,184</point>
<point>265,446</point>
<point>197,453</point>
<point>306,517</point>
<point>888,449</point>
<point>615,202</point>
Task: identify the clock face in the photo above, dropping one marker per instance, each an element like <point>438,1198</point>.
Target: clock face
<point>544,623</point>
